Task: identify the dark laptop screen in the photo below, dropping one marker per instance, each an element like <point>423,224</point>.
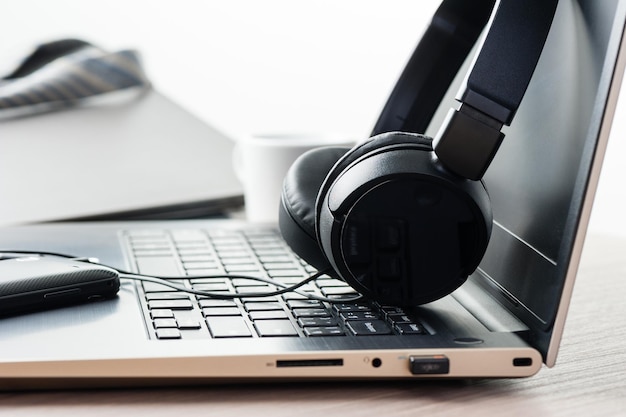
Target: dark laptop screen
<point>538,179</point>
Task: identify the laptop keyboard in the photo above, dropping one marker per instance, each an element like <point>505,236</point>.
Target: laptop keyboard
<point>194,254</point>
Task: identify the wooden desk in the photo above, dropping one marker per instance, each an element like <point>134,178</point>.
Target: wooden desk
<point>589,379</point>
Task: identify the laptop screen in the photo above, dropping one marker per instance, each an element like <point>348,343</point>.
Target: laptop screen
<point>539,178</point>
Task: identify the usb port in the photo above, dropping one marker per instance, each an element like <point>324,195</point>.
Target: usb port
<point>429,365</point>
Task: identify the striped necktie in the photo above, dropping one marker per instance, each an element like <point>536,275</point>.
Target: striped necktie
<point>67,73</point>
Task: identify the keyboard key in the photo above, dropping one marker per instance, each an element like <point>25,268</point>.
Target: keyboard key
<point>275,258</point>
<point>197,246</point>
<point>233,255</point>
<point>149,237</point>
<point>225,241</point>
<point>147,245</point>
<point>305,304</point>
<point>326,283</point>
<point>150,287</point>
<point>311,270</point>
<point>309,288</point>
<point>269,244</point>
<point>158,252</point>
<point>201,265</point>
<point>200,272</point>
<point>409,328</point>
<point>368,327</point>
<point>230,246</point>
<point>317,321</point>
<point>188,249</point>
<point>343,297</point>
<point>310,312</point>
<point>260,289</point>
<point>351,307</point>
<point>279,265</point>
<point>323,331</point>
<point>268,315</point>
<point>178,295</point>
<point>166,267</point>
<point>263,306</point>
<point>275,328</point>
<point>264,298</point>
<point>214,302</point>
<point>221,327</point>
<point>358,315</point>
<point>389,310</point>
<point>168,334</point>
<point>208,280</point>
<point>294,296</point>
<point>165,323</point>
<point>400,318</point>
<point>161,314</point>
<point>264,239</point>
<point>244,282</point>
<point>200,257</point>
<point>221,311</point>
<point>343,291</point>
<point>292,281</point>
<point>270,251</point>
<point>242,268</point>
<point>211,287</point>
<point>170,304</point>
<point>273,273</point>
<point>188,324</point>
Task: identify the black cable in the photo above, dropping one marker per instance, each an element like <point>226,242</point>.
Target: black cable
<point>231,296</point>
<point>165,280</point>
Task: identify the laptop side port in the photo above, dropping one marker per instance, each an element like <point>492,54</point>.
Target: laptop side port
<point>429,365</point>
<point>293,363</point>
<point>522,362</point>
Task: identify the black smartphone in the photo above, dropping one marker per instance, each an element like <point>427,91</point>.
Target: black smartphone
<point>31,283</point>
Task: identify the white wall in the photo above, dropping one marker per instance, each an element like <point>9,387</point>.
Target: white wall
<point>257,66</point>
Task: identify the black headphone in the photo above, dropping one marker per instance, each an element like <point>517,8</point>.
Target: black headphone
<point>402,218</point>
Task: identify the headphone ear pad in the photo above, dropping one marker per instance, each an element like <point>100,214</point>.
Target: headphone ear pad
<point>296,213</point>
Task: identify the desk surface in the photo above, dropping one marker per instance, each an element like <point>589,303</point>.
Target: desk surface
<point>588,380</point>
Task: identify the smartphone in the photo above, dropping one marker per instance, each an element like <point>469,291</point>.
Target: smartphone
<point>32,283</point>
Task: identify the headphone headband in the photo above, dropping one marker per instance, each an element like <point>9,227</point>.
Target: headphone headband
<point>508,57</point>
<point>470,135</point>
<point>438,57</point>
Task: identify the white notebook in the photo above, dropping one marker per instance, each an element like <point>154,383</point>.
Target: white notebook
<point>144,156</point>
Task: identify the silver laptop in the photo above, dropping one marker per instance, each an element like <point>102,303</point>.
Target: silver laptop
<point>125,159</point>
<point>505,321</point>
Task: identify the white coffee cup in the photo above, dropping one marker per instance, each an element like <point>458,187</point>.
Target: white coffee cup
<point>262,161</point>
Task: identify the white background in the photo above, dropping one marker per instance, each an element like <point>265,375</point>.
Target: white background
<point>265,66</point>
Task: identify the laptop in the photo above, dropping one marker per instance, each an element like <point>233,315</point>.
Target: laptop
<point>505,321</point>
<point>132,156</point>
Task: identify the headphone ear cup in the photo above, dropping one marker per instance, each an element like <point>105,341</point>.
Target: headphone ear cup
<point>296,213</point>
<point>369,146</point>
<point>397,226</point>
